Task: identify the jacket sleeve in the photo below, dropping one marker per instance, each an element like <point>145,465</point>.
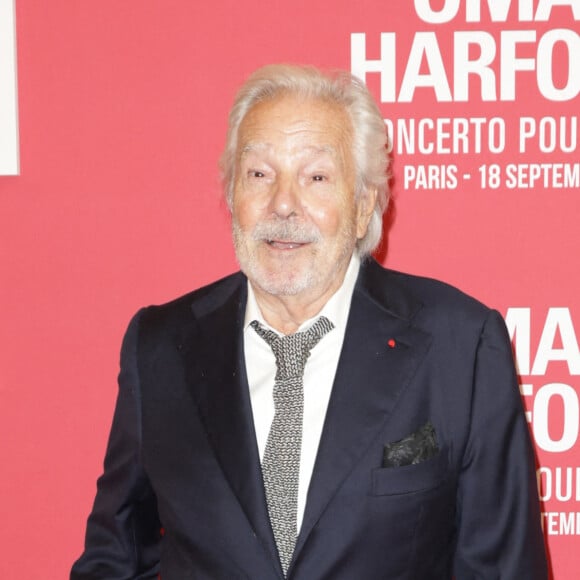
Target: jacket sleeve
<point>499,531</point>
<point>123,529</point>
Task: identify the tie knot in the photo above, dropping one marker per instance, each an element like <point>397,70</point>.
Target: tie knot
<point>292,350</point>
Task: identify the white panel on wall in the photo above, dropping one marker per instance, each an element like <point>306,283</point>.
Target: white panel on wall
<point>8,93</point>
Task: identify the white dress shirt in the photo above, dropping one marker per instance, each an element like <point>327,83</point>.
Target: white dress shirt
<point>318,375</point>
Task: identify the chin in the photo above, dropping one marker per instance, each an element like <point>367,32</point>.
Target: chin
<point>278,284</point>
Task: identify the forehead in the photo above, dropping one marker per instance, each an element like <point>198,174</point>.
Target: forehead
<point>295,122</point>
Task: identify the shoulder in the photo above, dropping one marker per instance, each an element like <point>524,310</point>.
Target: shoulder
<point>421,298</point>
<point>399,286</point>
<point>180,311</point>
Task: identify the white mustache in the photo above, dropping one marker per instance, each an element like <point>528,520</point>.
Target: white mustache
<point>286,231</point>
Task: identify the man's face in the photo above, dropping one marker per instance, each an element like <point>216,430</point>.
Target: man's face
<point>295,217</point>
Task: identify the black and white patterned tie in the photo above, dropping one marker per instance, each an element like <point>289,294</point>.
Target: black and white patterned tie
<point>281,461</point>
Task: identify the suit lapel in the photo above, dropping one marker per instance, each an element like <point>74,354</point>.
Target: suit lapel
<point>370,379</point>
<point>380,354</point>
<point>217,375</point>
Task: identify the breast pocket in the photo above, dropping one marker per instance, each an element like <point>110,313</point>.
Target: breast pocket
<point>408,479</point>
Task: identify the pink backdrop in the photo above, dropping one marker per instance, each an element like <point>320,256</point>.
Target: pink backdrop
<point>122,116</point>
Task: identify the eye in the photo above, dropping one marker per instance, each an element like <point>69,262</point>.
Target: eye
<point>255,173</point>
<point>319,177</point>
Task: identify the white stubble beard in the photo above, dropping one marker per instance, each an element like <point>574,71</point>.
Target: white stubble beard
<point>287,283</point>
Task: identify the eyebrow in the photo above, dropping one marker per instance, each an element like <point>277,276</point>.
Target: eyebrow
<point>264,147</point>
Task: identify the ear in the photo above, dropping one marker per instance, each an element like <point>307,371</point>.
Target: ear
<point>366,202</point>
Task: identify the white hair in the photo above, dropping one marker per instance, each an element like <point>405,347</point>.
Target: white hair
<point>340,87</point>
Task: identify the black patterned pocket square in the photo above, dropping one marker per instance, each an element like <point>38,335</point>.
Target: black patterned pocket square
<point>415,448</point>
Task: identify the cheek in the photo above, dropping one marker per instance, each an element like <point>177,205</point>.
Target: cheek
<point>329,218</point>
<point>338,212</point>
<point>244,211</point>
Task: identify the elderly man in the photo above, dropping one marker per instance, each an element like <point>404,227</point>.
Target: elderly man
<point>315,416</point>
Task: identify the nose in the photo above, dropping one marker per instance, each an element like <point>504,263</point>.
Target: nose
<point>285,199</point>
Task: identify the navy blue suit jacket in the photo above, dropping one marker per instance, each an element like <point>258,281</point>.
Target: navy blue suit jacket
<point>182,493</point>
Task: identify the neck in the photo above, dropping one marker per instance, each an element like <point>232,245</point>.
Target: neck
<point>287,313</point>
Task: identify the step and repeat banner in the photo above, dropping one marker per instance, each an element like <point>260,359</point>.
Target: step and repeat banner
<point>482,98</point>
<point>122,112</point>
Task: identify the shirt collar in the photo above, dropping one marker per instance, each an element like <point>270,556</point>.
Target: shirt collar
<point>336,309</point>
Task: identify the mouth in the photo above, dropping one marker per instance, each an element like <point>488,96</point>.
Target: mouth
<point>285,244</point>
<point>286,237</point>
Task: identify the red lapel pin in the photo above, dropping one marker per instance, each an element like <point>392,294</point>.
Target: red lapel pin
<point>391,342</point>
